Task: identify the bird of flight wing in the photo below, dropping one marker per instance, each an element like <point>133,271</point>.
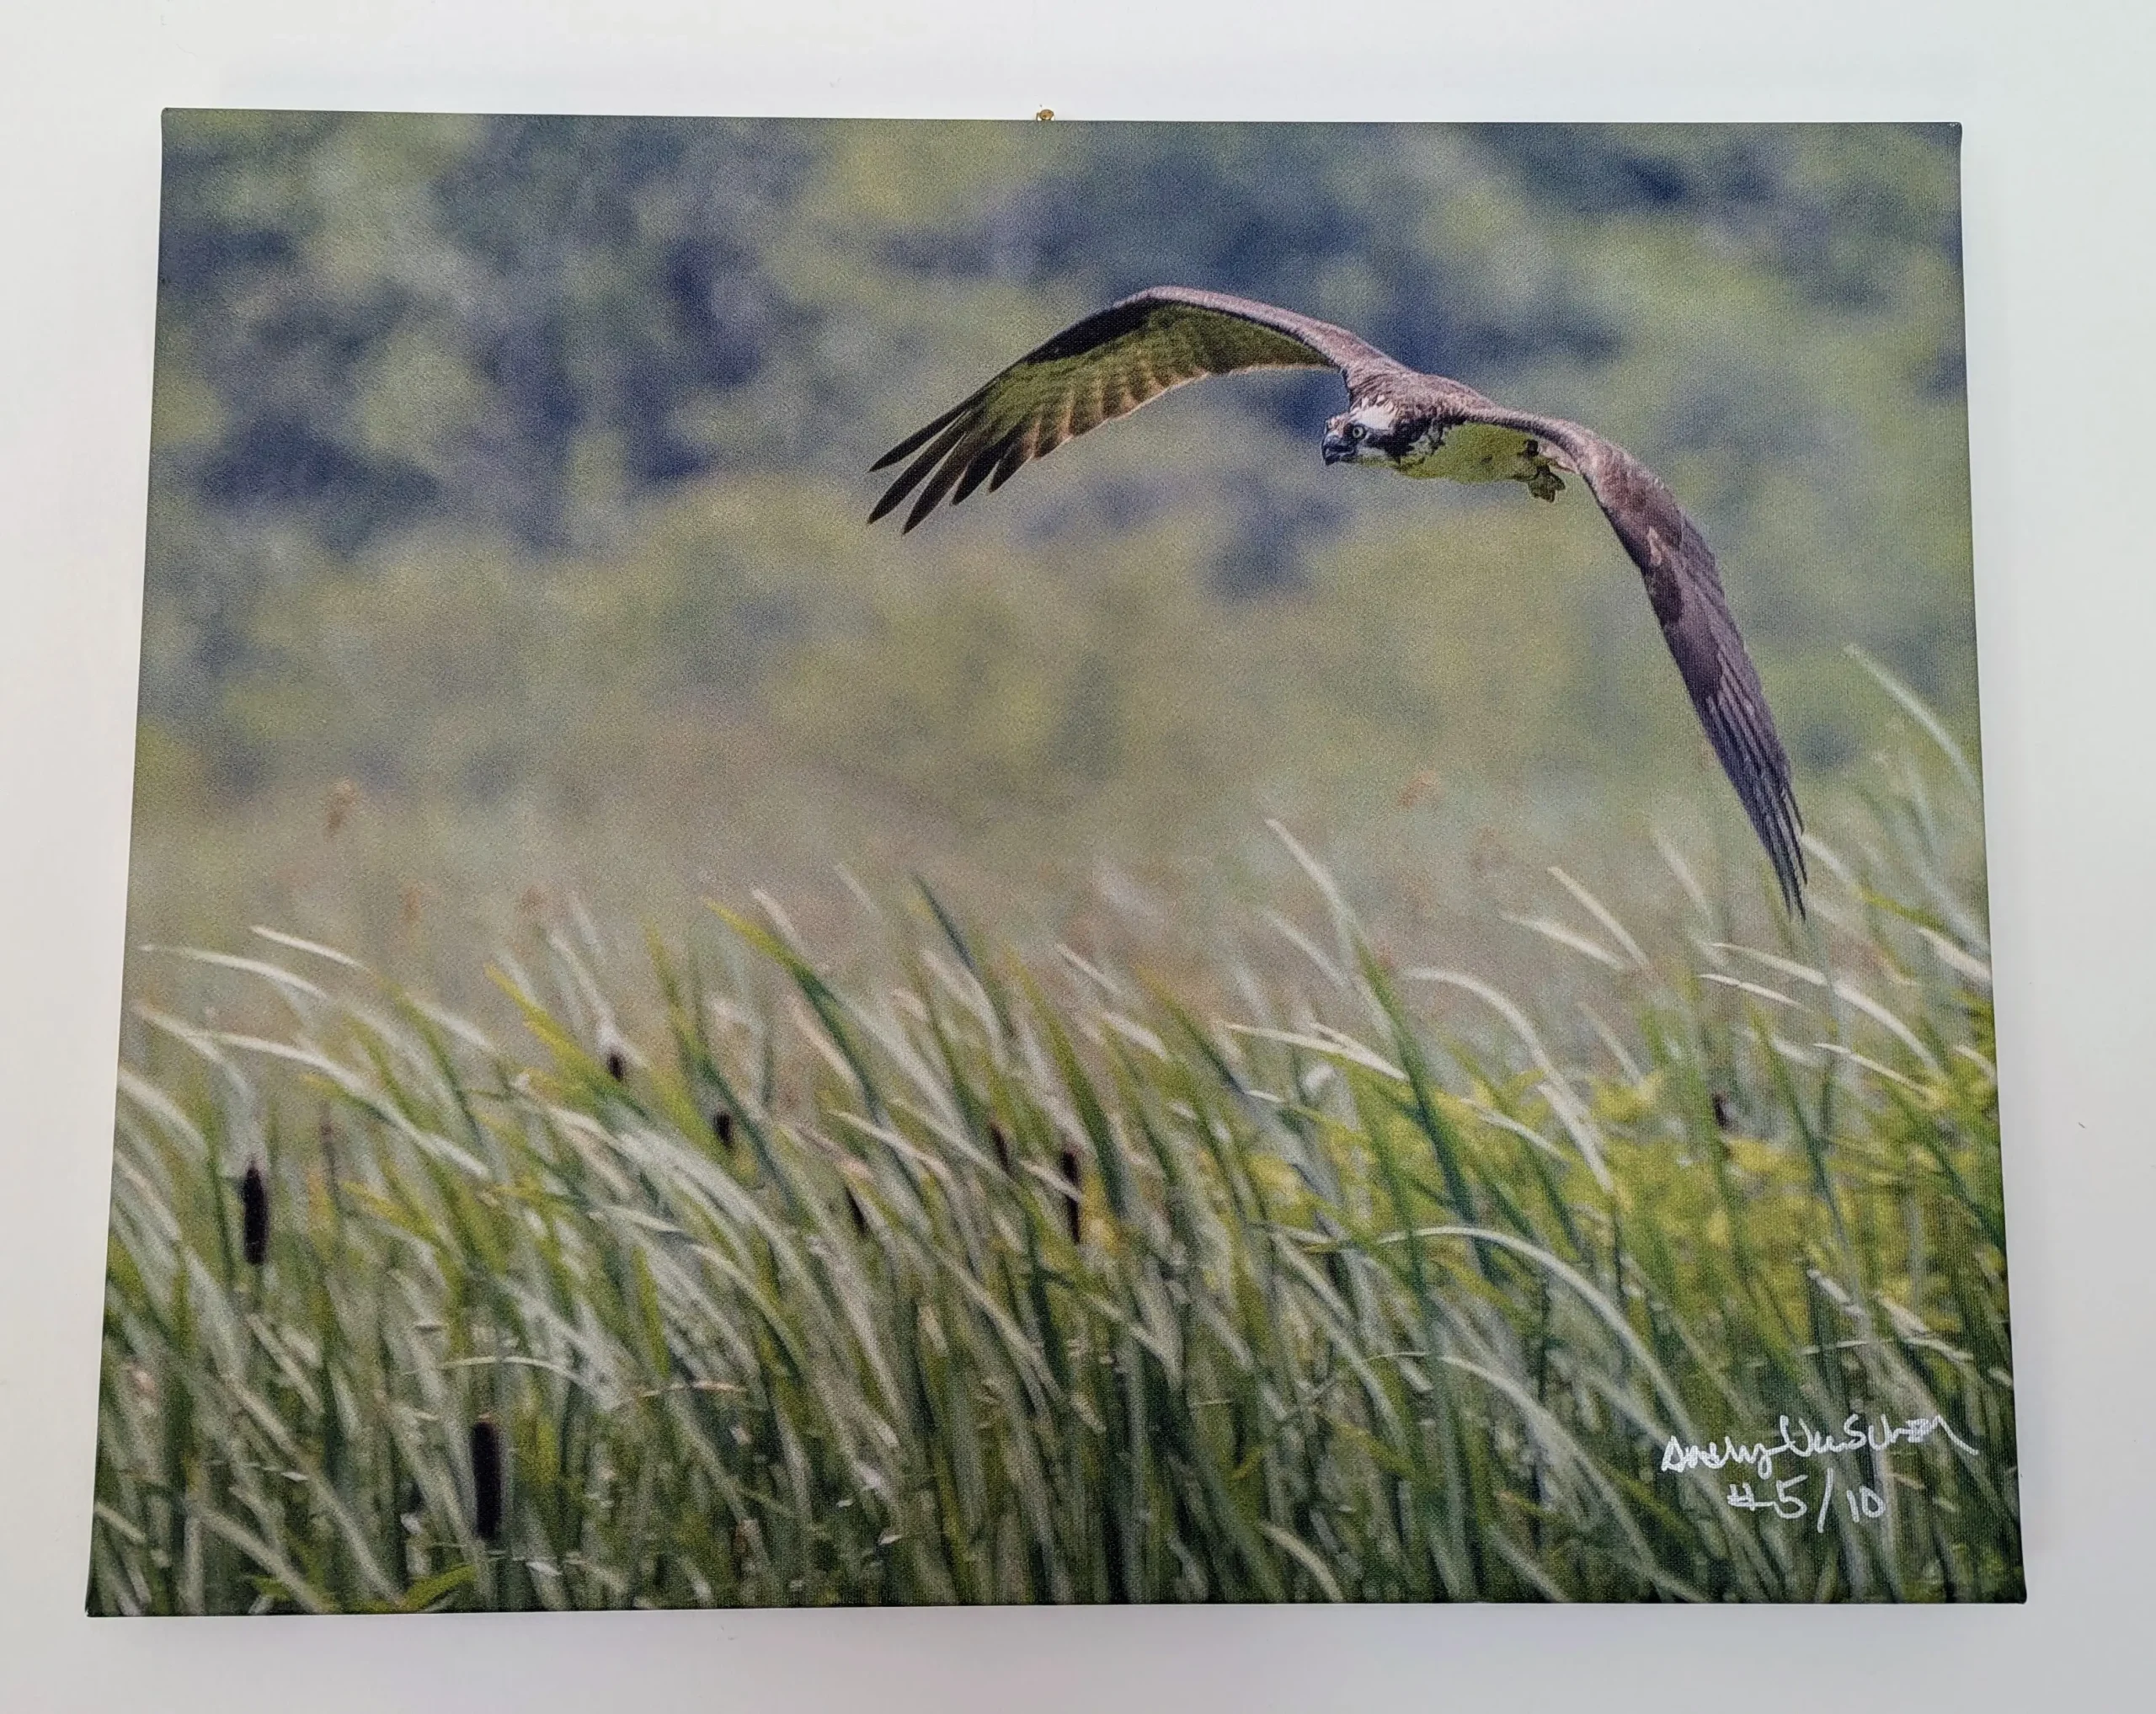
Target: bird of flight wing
<point>1684,588</point>
<point>1101,368</point>
<point>1114,360</point>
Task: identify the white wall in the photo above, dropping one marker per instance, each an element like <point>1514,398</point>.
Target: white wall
<point>2061,138</point>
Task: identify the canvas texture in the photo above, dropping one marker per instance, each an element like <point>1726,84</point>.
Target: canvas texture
<point>1176,1016</point>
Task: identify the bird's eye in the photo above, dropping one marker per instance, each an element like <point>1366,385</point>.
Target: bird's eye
<point>1356,431</point>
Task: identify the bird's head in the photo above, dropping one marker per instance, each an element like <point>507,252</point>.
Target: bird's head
<point>1376,433</point>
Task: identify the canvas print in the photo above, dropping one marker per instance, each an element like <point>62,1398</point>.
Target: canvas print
<point>1004,862</point>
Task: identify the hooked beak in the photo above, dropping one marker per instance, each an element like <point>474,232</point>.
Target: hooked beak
<point>1338,448</point>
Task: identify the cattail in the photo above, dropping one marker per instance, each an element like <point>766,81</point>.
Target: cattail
<point>1073,1208</point>
<point>342,797</point>
<point>722,1127</point>
<point>487,1479</point>
<point>255,1216</point>
<point>617,1067</point>
<point>860,1215</point>
<point>1721,1110</point>
<point>1001,1145</point>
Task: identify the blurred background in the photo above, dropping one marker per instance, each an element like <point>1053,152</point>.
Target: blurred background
<point>507,555</point>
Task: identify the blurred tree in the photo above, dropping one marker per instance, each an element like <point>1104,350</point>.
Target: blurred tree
<point>513,469</point>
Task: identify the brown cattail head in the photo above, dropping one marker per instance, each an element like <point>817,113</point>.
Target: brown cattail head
<point>342,797</point>
<point>722,1127</point>
<point>1721,1110</point>
<point>255,1216</point>
<point>1074,1207</point>
<point>487,1479</point>
<point>617,1067</point>
<point>1001,1145</point>
<point>860,1215</point>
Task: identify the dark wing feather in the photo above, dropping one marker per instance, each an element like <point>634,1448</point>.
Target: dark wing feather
<point>1687,593</point>
<point>1101,368</point>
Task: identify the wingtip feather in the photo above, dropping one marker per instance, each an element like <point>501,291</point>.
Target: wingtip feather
<point>926,433</point>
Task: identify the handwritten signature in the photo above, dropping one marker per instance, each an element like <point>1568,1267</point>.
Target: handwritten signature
<point>1864,1503</point>
<point>1805,1441</point>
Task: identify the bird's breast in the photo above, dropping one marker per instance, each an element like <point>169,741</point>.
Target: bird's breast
<point>1469,452</point>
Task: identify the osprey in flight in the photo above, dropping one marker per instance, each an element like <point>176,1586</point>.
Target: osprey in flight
<point>1114,360</point>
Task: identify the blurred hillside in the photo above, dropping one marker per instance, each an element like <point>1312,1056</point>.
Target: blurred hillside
<point>509,477</point>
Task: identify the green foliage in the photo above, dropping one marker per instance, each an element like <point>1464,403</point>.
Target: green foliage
<point>939,1277</point>
<point>514,471</point>
<point>508,577</point>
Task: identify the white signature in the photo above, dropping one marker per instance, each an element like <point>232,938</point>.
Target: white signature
<point>1804,1441</point>
<point>1857,1435</point>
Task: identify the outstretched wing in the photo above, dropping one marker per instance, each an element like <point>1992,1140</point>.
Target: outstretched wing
<point>1104,367</point>
<point>1686,591</point>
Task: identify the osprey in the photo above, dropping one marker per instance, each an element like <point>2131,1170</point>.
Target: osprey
<point>1108,364</point>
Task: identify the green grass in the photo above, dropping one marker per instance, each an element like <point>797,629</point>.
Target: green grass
<point>1024,1281</point>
